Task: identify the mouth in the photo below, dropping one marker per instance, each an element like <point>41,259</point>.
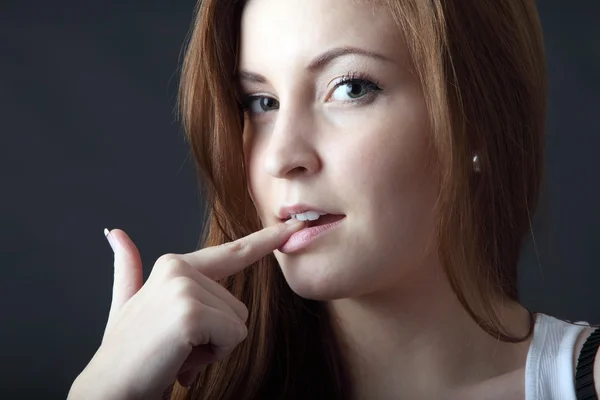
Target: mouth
<point>314,229</point>
<point>313,218</point>
<point>324,220</point>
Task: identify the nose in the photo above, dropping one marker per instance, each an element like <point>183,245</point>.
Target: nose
<point>291,150</point>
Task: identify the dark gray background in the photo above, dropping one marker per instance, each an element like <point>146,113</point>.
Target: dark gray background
<point>89,140</point>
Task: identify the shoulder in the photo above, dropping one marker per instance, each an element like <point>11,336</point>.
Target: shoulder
<point>583,336</point>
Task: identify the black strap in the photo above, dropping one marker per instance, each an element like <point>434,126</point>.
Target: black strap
<point>584,377</point>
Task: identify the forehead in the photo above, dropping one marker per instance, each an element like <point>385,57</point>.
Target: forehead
<point>293,31</point>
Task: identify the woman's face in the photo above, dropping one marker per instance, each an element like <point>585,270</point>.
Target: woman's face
<point>337,123</point>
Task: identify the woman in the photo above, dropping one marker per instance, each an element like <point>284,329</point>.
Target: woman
<point>410,135</point>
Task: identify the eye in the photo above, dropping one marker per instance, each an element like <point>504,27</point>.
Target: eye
<point>354,88</point>
<point>259,104</point>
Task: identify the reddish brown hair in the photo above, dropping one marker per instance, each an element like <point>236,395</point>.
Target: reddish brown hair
<point>482,68</point>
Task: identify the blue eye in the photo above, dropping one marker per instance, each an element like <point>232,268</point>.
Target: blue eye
<point>353,89</point>
<point>259,104</point>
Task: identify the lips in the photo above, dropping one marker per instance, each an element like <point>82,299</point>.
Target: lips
<point>312,232</point>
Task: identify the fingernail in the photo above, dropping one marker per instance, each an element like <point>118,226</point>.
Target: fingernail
<point>294,221</point>
<point>111,240</point>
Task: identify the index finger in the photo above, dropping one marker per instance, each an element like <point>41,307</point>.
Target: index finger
<point>218,262</point>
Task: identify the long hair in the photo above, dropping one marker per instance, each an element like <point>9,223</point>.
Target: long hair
<point>481,65</point>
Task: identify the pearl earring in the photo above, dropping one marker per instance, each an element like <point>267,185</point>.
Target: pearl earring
<point>476,163</point>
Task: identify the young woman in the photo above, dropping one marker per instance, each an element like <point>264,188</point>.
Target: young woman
<point>410,135</point>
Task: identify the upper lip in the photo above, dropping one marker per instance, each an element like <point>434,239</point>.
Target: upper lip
<point>286,212</point>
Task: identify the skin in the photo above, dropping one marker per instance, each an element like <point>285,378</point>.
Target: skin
<point>347,150</point>
<point>407,336</point>
<point>174,324</point>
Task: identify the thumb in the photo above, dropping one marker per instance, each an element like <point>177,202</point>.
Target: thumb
<point>129,276</point>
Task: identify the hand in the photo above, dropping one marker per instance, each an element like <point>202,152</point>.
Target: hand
<point>175,323</point>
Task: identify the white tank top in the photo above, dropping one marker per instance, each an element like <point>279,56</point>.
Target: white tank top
<point>550,369</point>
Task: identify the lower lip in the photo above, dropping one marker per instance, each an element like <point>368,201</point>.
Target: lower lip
<point>306,236</point>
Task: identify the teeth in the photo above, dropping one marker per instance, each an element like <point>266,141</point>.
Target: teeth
<point>308,215</point>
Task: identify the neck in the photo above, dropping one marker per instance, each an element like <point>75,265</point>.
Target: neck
<point>417,341</point>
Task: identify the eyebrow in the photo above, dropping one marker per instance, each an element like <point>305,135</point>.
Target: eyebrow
<point>318,62</point>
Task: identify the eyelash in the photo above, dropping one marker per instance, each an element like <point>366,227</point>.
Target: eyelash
<point>370,84</point>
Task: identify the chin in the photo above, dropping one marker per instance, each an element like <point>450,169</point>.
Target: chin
<point>319,292</point>
<point>321,280</point>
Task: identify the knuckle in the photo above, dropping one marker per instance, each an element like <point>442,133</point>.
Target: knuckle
<point>170,266</point>
<point>240,333</point>
<point>165,258</point>
<point>187,310</point>
<point>243,311</point>
<point>187,318</point>
<point>243,332</point>
<point>239,248</point>
<point>182,286</point>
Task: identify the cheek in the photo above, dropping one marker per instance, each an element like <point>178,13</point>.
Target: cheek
<point>387,142</point>
<point>386,169</point>
<point>389,157</point>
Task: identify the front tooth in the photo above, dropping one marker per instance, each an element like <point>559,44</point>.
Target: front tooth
<point>312,215</point>
<point>307,216</point>
<point>301,217</point>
